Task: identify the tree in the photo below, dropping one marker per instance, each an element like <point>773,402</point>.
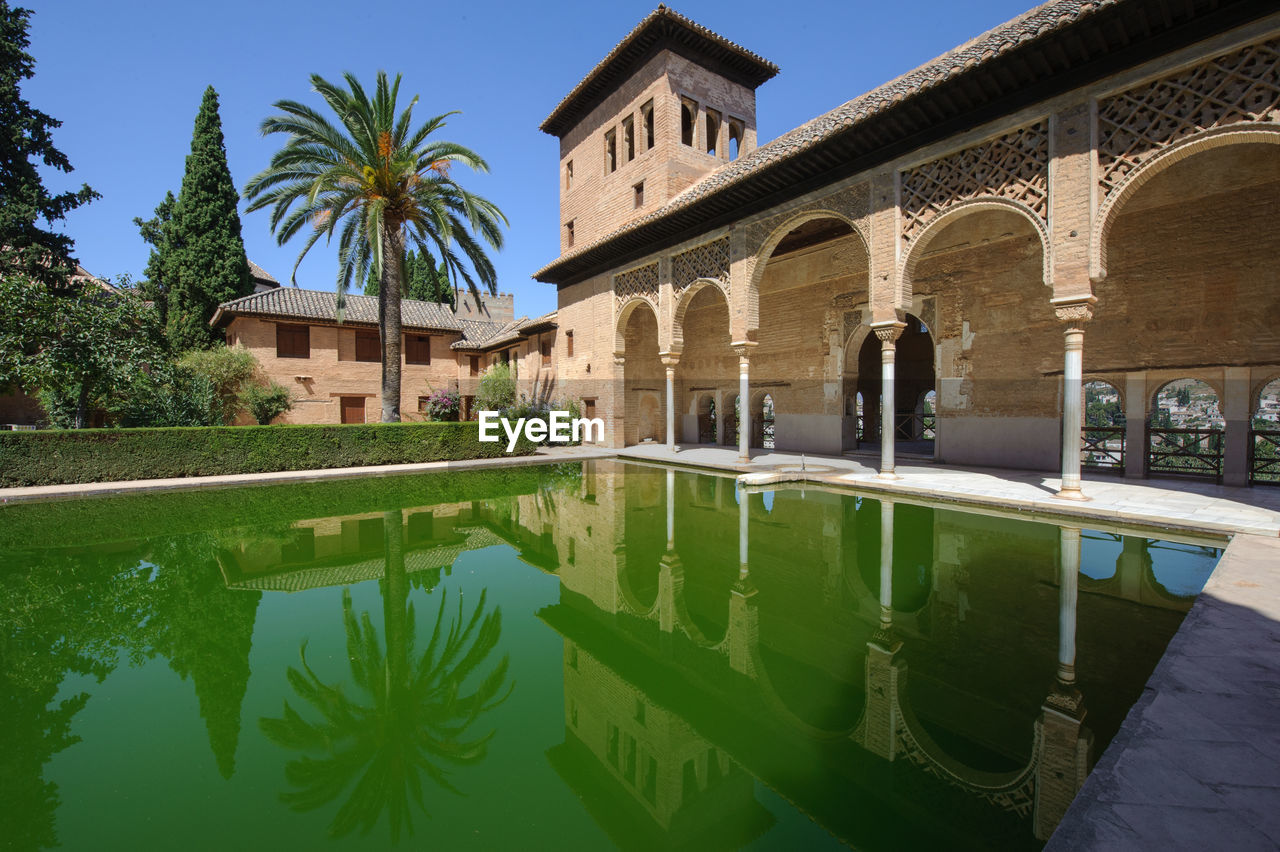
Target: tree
<point>201,260</point>
<point>423,280</point>
<point>77,349</point>
<point>380,185</point>
<point>497,389</point>
<point>24,201</point>
<point>155,288</point>
<point>230,369</point>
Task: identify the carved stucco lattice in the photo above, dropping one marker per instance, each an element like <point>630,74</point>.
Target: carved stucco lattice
<point>851,202</point>
<point>709,260</point>
<point>1238,87</point>
<point>1014,166</point>
<point>640,282</point>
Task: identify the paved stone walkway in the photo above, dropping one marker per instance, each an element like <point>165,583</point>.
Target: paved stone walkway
<point>1196,764</point>
<point>1164,503</point>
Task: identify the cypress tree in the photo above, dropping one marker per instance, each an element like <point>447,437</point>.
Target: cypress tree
<point>26,137</point>
<point>204,259</point>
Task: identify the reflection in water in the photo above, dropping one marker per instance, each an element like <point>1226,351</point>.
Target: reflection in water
<point>416,714</point>
<point>736,666</point>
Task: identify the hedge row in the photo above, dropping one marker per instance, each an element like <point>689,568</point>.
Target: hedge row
<point>110,455</point>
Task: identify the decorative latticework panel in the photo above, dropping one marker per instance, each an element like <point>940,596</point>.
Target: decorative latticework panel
<point>1014,166</point>
<point>639,282</point>
<point>1238,87</point>
<point>709,260</point>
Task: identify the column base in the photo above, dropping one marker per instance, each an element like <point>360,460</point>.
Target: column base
<point>744,459</point>
<point>887,475</point>
<point>1072,494</point>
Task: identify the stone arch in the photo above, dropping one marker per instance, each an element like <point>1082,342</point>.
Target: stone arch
<point>1255,397</point>
<point>1206,140</point>
<point>915,251</point>
<point>624,317</point>
<point>770,244</point>
<point>682,307</point>
<point>1111,382</point>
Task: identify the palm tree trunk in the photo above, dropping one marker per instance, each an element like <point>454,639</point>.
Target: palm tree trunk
<point>389,320</point>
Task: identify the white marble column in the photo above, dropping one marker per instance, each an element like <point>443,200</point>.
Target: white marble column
<point>888,333</point>
<point>743,519</point>
<point>669,361</point>
<point>886,565</point>
<point>1068,584</point>
<point>671,510</point>
<point>1075,313</point>
<point>743,351</point>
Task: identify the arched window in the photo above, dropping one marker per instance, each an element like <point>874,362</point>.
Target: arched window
<point>688,116</point>
<point>1264,436</point>
<point>1186,430</point>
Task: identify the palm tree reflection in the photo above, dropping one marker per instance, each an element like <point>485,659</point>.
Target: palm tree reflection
<point>413,715</point>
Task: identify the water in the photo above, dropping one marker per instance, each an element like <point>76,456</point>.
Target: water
<point>579,656</point>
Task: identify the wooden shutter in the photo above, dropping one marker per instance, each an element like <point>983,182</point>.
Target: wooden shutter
<point>417,349</point>
<point>368,346</point>
<point>293,341</point>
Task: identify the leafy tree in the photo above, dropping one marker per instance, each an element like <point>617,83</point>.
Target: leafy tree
<point>497,389</point>
<point>380,185</point>
<point>229,369</point>
<point>423,280</point>
<point>201,261</point>
<point>155,287</point>
<point>80,349</point>
<point>266,403</point>
<point>27,138</point>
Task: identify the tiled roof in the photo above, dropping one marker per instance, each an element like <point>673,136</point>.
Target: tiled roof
<point>1034,24</point>
<point>661,22</point>
<point>258,273</point>
<point>321,305</point>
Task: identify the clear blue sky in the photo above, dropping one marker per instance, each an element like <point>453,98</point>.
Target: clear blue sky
<point>126,78</point>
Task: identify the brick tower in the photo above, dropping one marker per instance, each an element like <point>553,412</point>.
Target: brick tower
<point>669,105</point>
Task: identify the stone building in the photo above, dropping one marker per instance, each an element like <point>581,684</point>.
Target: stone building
<point>1084,193</point>
<point>334,368</point>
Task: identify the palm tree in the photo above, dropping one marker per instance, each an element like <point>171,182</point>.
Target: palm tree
<point>380,185</point>
<point>410,715</point>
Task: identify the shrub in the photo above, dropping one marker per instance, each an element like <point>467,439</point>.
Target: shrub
<point>105,455</point>
<point>228,369</point>
<point>530,410</point>
<point>497,389</point>
<point>266,403</point>
<point>443,405</point>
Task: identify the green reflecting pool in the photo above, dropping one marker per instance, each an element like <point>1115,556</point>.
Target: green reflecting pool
<point>578,656</point>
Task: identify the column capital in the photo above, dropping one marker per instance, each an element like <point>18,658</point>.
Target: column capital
<point>1074,310</point>
<point>888,332</point>
<point>742,348</point>
<point>619,358</point>
<point>669,359</point>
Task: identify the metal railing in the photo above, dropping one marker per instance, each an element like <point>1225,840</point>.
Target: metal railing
<point>1188,452</point>
<point>915,427</point>
<point>1264,456</point>
<point>1102,447</point>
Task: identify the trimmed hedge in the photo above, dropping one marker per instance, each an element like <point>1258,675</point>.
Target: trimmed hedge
<point>110,455</point>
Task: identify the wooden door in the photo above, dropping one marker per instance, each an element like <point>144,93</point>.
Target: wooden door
<point>352,409</point>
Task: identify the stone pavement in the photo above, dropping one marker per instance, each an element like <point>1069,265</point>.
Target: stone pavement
<point>1196,764</point>
<point>1164,503</point>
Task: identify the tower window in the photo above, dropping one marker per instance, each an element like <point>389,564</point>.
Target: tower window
<point>568,175</point>
<point>688,116</point>
<point>568,344</point>
<point>568,234</point>
<point>639,189</point>
<point>713,131</point>
<point>610,152</point>
<point>628,139</point>
<point>737,130</point>
<point>646,118</point>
